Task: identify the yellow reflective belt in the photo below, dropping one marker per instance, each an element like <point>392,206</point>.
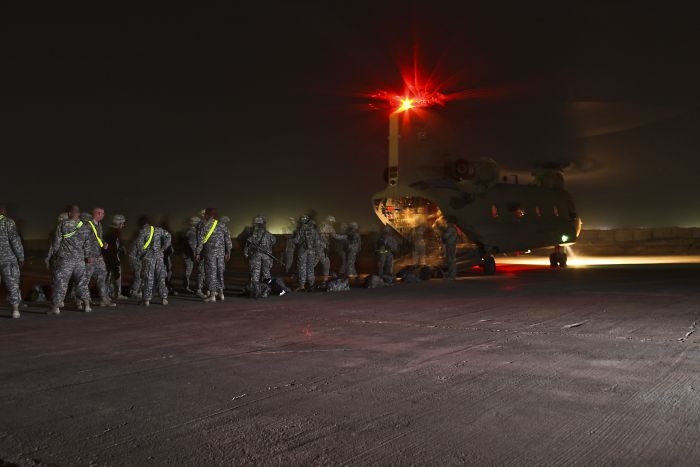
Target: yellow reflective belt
<point>77,227</point>
<point>211,231</point>
<point>150,237</point>
<point>99,240</point>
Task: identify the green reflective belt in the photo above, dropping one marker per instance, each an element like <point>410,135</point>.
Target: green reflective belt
<point>99,240</point>
<point>150,238</point>
<point>77,227</point>
<point>211,231</point>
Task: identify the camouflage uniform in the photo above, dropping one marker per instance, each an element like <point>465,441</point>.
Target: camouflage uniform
<point>327,232</point>
<point>258,243</point>
<point>201,273</point>
<point>306,239</point>
<point>213,252</point>
<point>450,237</point>
<point>97,267</point>
<point>11,254</point>
<point>339,244</point>
<point>353,247</point>
<point>168,254</point>
<point>188,254</point>
<point>152,266</point>
<point>351,243</point>
<point>387,246</point>
<point>71,248</point>
<point>113,258</point>
<point>418,240</point>
<point>136,268</point>
<point>49,261</point>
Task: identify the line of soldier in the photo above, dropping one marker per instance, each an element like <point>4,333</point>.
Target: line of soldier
<point>80,252</point>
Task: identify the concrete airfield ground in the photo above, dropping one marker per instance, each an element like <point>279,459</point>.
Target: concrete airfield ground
<point>588,366</point>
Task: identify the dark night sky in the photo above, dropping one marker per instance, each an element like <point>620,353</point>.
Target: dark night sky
<point>256,109</point>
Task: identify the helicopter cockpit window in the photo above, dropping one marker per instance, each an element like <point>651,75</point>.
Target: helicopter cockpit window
<point>538,211</point>
<point>517,209</point>
<point>556,210</point>
<point>494,211</point>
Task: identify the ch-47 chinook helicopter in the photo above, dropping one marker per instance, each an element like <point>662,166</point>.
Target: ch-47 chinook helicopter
<point>498,215</point>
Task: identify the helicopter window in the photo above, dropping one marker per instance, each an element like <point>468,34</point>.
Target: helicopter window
<point>538,211</point>
<point>494,211</point>
<point>516,208</point>
<point>556,210</point>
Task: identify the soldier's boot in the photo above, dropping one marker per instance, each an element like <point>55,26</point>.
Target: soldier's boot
<point>146,303</point>
<point>107,302</point>
<point>301,288</point>
<point>61,305</point>
<point>121,297</point>
<point>210,298</point>
<point>54,311</point>
<point>15,311</point>
<point>79,305</point>
<point>220,296</point>
<point>87,308</point>
<point>165,301</point>
<point>200,294</point>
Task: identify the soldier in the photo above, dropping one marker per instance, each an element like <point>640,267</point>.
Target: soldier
<point>150,243</point>
<point>11,259</point>
<point>353,247</point>
<point>258,252</point>
<point>214,247</point>
<point>188,253</point>
<point>386,247</point>
<point>450,237</point>
<point>289,247</point>
<point>168,254</point>
<point>225,221</point>
<point>339,244</point>
<point>327,232</point>
<point>418,240</point>
<point>50,261</point>
<point>113,256</point>
<point>201,275</point>
<point>136,264</point>
<point>96,266</point>
<point>71,251</point>
<point>306,240</point>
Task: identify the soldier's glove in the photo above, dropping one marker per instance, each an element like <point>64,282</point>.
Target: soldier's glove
<point>21,263</point>
<point>198,258</point>
<point>227,258</point>
<point>47,262</point>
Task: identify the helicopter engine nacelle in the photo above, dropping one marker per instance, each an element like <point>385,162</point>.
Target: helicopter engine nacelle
<point>481,172</point>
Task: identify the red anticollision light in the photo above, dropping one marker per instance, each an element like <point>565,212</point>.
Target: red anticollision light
<point>412,99</point>
<point>420,100</point>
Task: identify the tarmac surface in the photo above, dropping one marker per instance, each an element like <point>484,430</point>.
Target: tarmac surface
<point>590,366</point>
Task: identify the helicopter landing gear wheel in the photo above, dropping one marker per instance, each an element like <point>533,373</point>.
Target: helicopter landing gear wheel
<point>489,266</point>
<point>557,260</point>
